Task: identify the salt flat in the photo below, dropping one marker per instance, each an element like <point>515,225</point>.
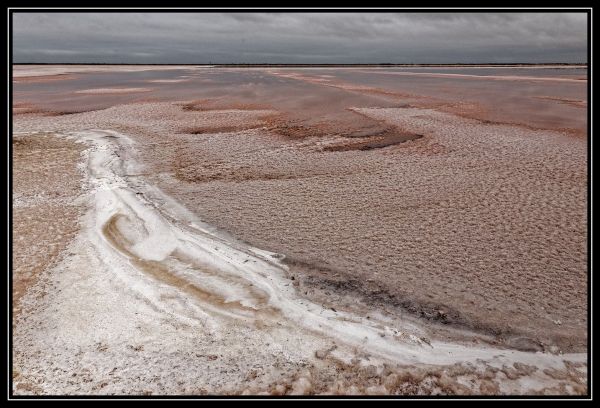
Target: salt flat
<point>247,231</point>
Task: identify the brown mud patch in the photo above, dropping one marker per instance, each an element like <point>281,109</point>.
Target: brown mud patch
<point>296,129</point>
<point>25,108</point>
<point>216,129</point>
<point>364,132</point>
<point>47,112</point>
<point>389,137</point>
<point>202,105</point>
<point>45,183</point>
<point>43,78</point>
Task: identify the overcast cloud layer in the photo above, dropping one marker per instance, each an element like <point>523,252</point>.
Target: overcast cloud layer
<point>299,37</point>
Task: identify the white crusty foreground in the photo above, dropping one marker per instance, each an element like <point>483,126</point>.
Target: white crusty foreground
<point>150,299</point>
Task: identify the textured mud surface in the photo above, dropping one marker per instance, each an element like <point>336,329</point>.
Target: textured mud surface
<point>403,249</point>
<point>45,211</point>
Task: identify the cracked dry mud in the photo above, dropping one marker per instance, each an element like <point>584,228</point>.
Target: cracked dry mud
<point>291,236</point>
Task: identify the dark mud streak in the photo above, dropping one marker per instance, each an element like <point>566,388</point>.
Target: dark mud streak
<point>24,108</point>
<point>217,129</point>
<point>388,138</point>
<point>377,297</point>
<point>63,113</point>
<point>206,105</point>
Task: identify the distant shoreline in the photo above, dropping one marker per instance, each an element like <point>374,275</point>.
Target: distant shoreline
<point>330,65</point>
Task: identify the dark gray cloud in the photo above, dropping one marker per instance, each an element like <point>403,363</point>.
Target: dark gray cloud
<point>299,37</point>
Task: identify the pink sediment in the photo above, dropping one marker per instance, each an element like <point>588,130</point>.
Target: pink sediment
<point>483,77</point>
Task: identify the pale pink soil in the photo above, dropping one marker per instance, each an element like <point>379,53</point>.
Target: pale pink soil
<point>475,225</point>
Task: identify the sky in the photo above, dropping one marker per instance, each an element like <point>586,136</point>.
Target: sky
<point>312,38</point>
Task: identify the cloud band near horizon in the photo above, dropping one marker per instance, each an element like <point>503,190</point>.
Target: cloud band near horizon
<point>258,37</point>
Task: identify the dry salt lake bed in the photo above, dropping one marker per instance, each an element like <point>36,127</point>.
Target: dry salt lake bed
<point>387,231</point>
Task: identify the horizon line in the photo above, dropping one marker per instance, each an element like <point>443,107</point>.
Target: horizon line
<point>304,64</point>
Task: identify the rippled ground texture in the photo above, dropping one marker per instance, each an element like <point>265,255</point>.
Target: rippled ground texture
<point>447,203</point>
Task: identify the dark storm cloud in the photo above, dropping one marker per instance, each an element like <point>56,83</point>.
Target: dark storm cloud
<point>299,37</point>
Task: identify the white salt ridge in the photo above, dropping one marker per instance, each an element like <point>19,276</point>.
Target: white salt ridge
<point>168,235</point>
